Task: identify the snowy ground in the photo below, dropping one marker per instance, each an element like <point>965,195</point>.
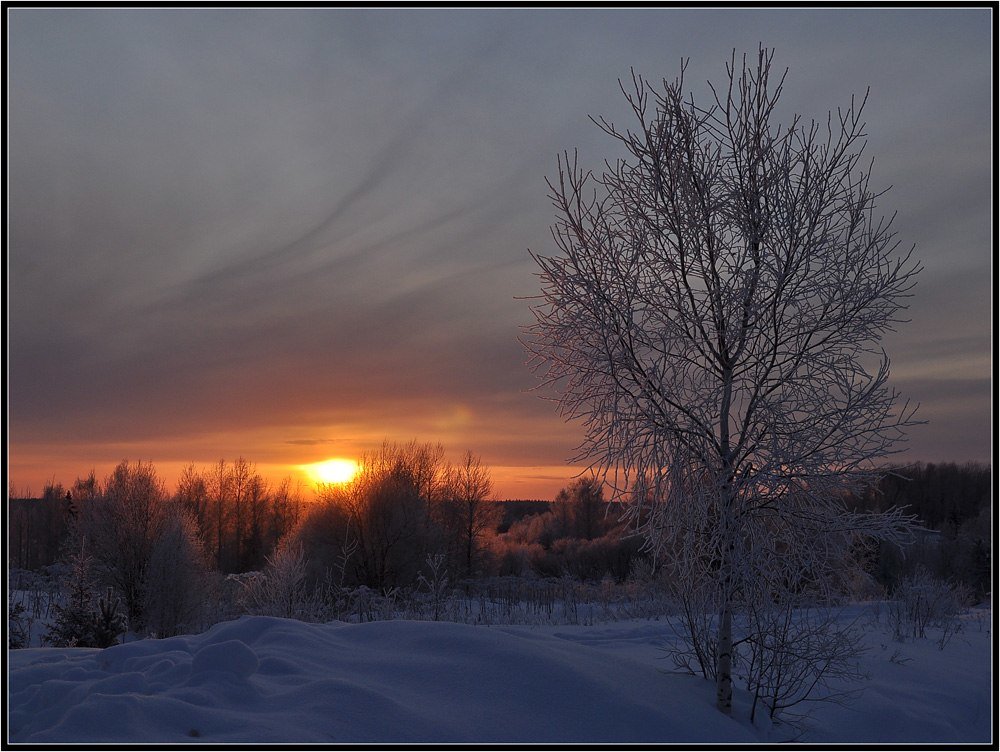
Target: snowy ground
<point>263,679</point>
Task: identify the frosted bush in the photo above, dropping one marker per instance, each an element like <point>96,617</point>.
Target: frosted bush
<point>921,602</point>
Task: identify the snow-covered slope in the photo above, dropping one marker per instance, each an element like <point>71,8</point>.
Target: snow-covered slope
<point>261,679</point>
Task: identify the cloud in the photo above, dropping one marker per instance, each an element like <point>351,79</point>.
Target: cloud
<point>314,223</point>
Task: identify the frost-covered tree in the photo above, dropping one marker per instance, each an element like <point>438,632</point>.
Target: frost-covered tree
<point>121,525</point>
<point>178,585</point>
<point>714,317</point>
<point>145,546</point>
<point>193,496</point>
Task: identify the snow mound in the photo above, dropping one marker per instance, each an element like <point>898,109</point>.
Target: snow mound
<point>232,656</point>
<point>261,679</point>
<point>270,680</point>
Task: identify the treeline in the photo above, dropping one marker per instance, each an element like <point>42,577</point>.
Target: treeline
<point>405,503</point>
<point>941,495</point>
<point>409,519</point>
<point>954,503</point>
<point>239,516</point>
<point>408,505</point>
<point>37,527</point>
<point>127,539</point>
<point>578,534</point>
<point>127,553</point>
<point>126,547</point>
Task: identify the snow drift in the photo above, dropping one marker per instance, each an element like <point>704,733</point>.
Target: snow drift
<point>264,679</point>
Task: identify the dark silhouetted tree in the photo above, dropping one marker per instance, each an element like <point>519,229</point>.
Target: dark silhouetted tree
<point>468,514</point>
<point>585,507</point>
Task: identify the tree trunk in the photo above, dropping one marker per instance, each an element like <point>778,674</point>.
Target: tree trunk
<point>724,639</point>
<point>470,538</point>
<point>724,662</point>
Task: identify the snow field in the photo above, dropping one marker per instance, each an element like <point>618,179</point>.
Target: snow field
<point>265,679</point>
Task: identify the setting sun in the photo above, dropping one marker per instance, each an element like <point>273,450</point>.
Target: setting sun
<point>336,470</point>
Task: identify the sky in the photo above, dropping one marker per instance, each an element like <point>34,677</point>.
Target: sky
<point>291,234</point>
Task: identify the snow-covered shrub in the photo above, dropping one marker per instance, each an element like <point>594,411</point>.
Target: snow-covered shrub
<point>611,554</point>
<point>435,582</point>
<point>18,627</point>
<point>921,601</point>
<point>280,590</point>
<point>543,529</point>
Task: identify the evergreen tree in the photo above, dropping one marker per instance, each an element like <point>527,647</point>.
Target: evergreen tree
<point>110,622</point>
<point>74,620</point>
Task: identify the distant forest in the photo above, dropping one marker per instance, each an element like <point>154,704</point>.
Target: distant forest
<point>576,533</point>
<point>955,505</point>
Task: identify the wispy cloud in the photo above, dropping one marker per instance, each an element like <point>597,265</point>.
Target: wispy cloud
<point>314,223</point>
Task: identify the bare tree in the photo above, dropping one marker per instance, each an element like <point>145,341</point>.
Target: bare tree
<point>471,516</point>
<point>426,465</point>
<point>389,509</point>
<point>259,498</point>
<point>219,482</point>
<point>714,318</point>
<point>240,481</point>
<point>193,495</point>
<point>286,507</point>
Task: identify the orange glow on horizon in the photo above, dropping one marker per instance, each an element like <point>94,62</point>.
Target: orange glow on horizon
<point>29,471</point>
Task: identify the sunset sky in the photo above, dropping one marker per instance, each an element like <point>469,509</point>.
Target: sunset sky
<point>291,234</point>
